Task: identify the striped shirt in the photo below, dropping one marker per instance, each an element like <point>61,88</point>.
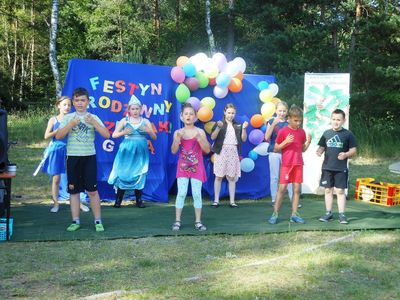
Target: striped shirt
<point>81,137</point>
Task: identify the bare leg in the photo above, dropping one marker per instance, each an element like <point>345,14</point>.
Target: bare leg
<point>341,200</point>
<point>296,196</point>
<point>74,202</point>
<point>279,197</point>
<point>197,212</point>
<point>178,213</point>
<point>55,185</point>
<point>95,204</point>
<point>329,199</point>
<point>217,188</point>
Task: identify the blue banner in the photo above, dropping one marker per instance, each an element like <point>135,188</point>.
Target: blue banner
<point>111,86</point>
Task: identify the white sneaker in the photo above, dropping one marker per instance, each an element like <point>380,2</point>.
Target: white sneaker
<point>55,208</point>
<point>84,208</point>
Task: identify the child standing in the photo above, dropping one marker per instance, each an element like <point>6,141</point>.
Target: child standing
<point>192,142</point>
<point>81,156</point>
<point>228,135</point>
<point>274,125</point>
<point>56,152</point>
<point>131,163</point>
<point>292,141</point>
<point>338,144</point>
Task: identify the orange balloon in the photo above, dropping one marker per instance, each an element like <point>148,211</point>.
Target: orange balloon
<point>205,114</point>
<point>182,60</point>
<point>275,100</point>
<point>212,158</point>
<point>257,121</point>
<point>235,85</point>
<point>239,76</point>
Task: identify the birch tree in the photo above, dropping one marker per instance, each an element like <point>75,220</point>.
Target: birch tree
<point>208,28</point>
<point>53,46</point>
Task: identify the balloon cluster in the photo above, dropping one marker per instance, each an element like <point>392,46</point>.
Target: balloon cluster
<point>257,121</point>
<point>200,71</point>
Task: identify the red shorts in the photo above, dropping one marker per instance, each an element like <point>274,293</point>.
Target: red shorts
<point>291,174</point>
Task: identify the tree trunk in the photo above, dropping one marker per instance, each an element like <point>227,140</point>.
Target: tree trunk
<point>52,46</point>
<point>208,28</point>
<point>32,52</point>
<point>231,31</point>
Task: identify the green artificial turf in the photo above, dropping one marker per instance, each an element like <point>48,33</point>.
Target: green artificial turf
<point>34,222</point>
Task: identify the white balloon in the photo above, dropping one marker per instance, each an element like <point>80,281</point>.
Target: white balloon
<point>262,149</point>
<point>220,92</point>
<point>232,68</point>
<point>273,87</point>
<point>247,164</point>
<point>240,63</point>
<point>219,60</point>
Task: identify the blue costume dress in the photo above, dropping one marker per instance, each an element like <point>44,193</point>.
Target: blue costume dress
<point>55,154</point>
<point>131,163</point>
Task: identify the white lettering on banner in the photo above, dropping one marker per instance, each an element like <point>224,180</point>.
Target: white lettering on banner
<point>108,145</point>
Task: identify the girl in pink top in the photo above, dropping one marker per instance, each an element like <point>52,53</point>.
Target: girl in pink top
<point>192,142</point>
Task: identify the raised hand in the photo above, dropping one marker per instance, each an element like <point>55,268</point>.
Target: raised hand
<point>75,121</point>
<point>245,124</point>
<point>89,119</point>
<point>220,124</point>
<point>127,130</point>
<point>289,138</point>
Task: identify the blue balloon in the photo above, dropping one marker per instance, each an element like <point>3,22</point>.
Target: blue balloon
<point>247,164</point>
<point>262,85</point>
<point>189,69</point>
<point>223,79</point>
<point>253,155</point>
<point>263,128</point>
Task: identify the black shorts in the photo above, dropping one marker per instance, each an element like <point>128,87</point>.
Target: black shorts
<point>81,174</point>
<point>337,179</point>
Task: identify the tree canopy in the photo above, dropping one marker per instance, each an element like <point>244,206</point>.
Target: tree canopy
<point>282,38</point>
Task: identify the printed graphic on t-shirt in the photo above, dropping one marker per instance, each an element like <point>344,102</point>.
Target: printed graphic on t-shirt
<point>81,132</point>
<point>189,161</point>
<point>335,142</point>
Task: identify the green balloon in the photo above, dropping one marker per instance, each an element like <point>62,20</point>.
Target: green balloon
<point>203,80</point>
<point>182,93</point>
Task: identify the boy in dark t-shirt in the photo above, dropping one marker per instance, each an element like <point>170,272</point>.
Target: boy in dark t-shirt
<point>338,144</point>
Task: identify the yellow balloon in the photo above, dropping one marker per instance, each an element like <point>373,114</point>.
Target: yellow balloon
<point>208,127</point>
<point>275,100</point>
<point>267,110</point>
<point>211,71</point>
<point>265,95</point>
<point>207,102</point>
<point>182,60</point>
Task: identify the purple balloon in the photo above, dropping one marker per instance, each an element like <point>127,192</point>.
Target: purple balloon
<point>192,83</point>
<point>195,102</point>
<point>256,136</point>
<point>177,74</point>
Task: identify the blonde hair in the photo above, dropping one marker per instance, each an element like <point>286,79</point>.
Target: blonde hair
<point>295,111</point>
<point>61,99</point>
<point>283,103</point>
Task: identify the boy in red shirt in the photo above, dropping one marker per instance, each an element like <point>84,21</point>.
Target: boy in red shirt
<point>291,141</point>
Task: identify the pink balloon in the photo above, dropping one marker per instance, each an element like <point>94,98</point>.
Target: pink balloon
<point>192,83</point>
<point>195,102</point>
<point>177,74</point>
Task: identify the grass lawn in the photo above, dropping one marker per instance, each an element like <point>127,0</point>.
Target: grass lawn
<point>296,265</point>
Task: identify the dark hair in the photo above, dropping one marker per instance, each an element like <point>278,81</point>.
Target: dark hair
<point>338,111</point>
<point>80,91</point>
<point>188,105</point>
<point>61,99</point>
<point>295,111</point>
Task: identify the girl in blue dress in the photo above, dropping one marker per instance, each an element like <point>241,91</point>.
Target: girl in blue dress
<point>55,153</point>
<point>131,163</point>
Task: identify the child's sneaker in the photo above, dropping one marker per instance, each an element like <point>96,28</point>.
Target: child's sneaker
<point>273,219</point>
<point>326,217</point>
<point>73,227</point>
<point>200,226</point>
<point>55,208</point>
<point>295,218</point>
<point>84,208</point>
<point>99,227</point>
<point>176,226</point>
<point>343,219</point>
